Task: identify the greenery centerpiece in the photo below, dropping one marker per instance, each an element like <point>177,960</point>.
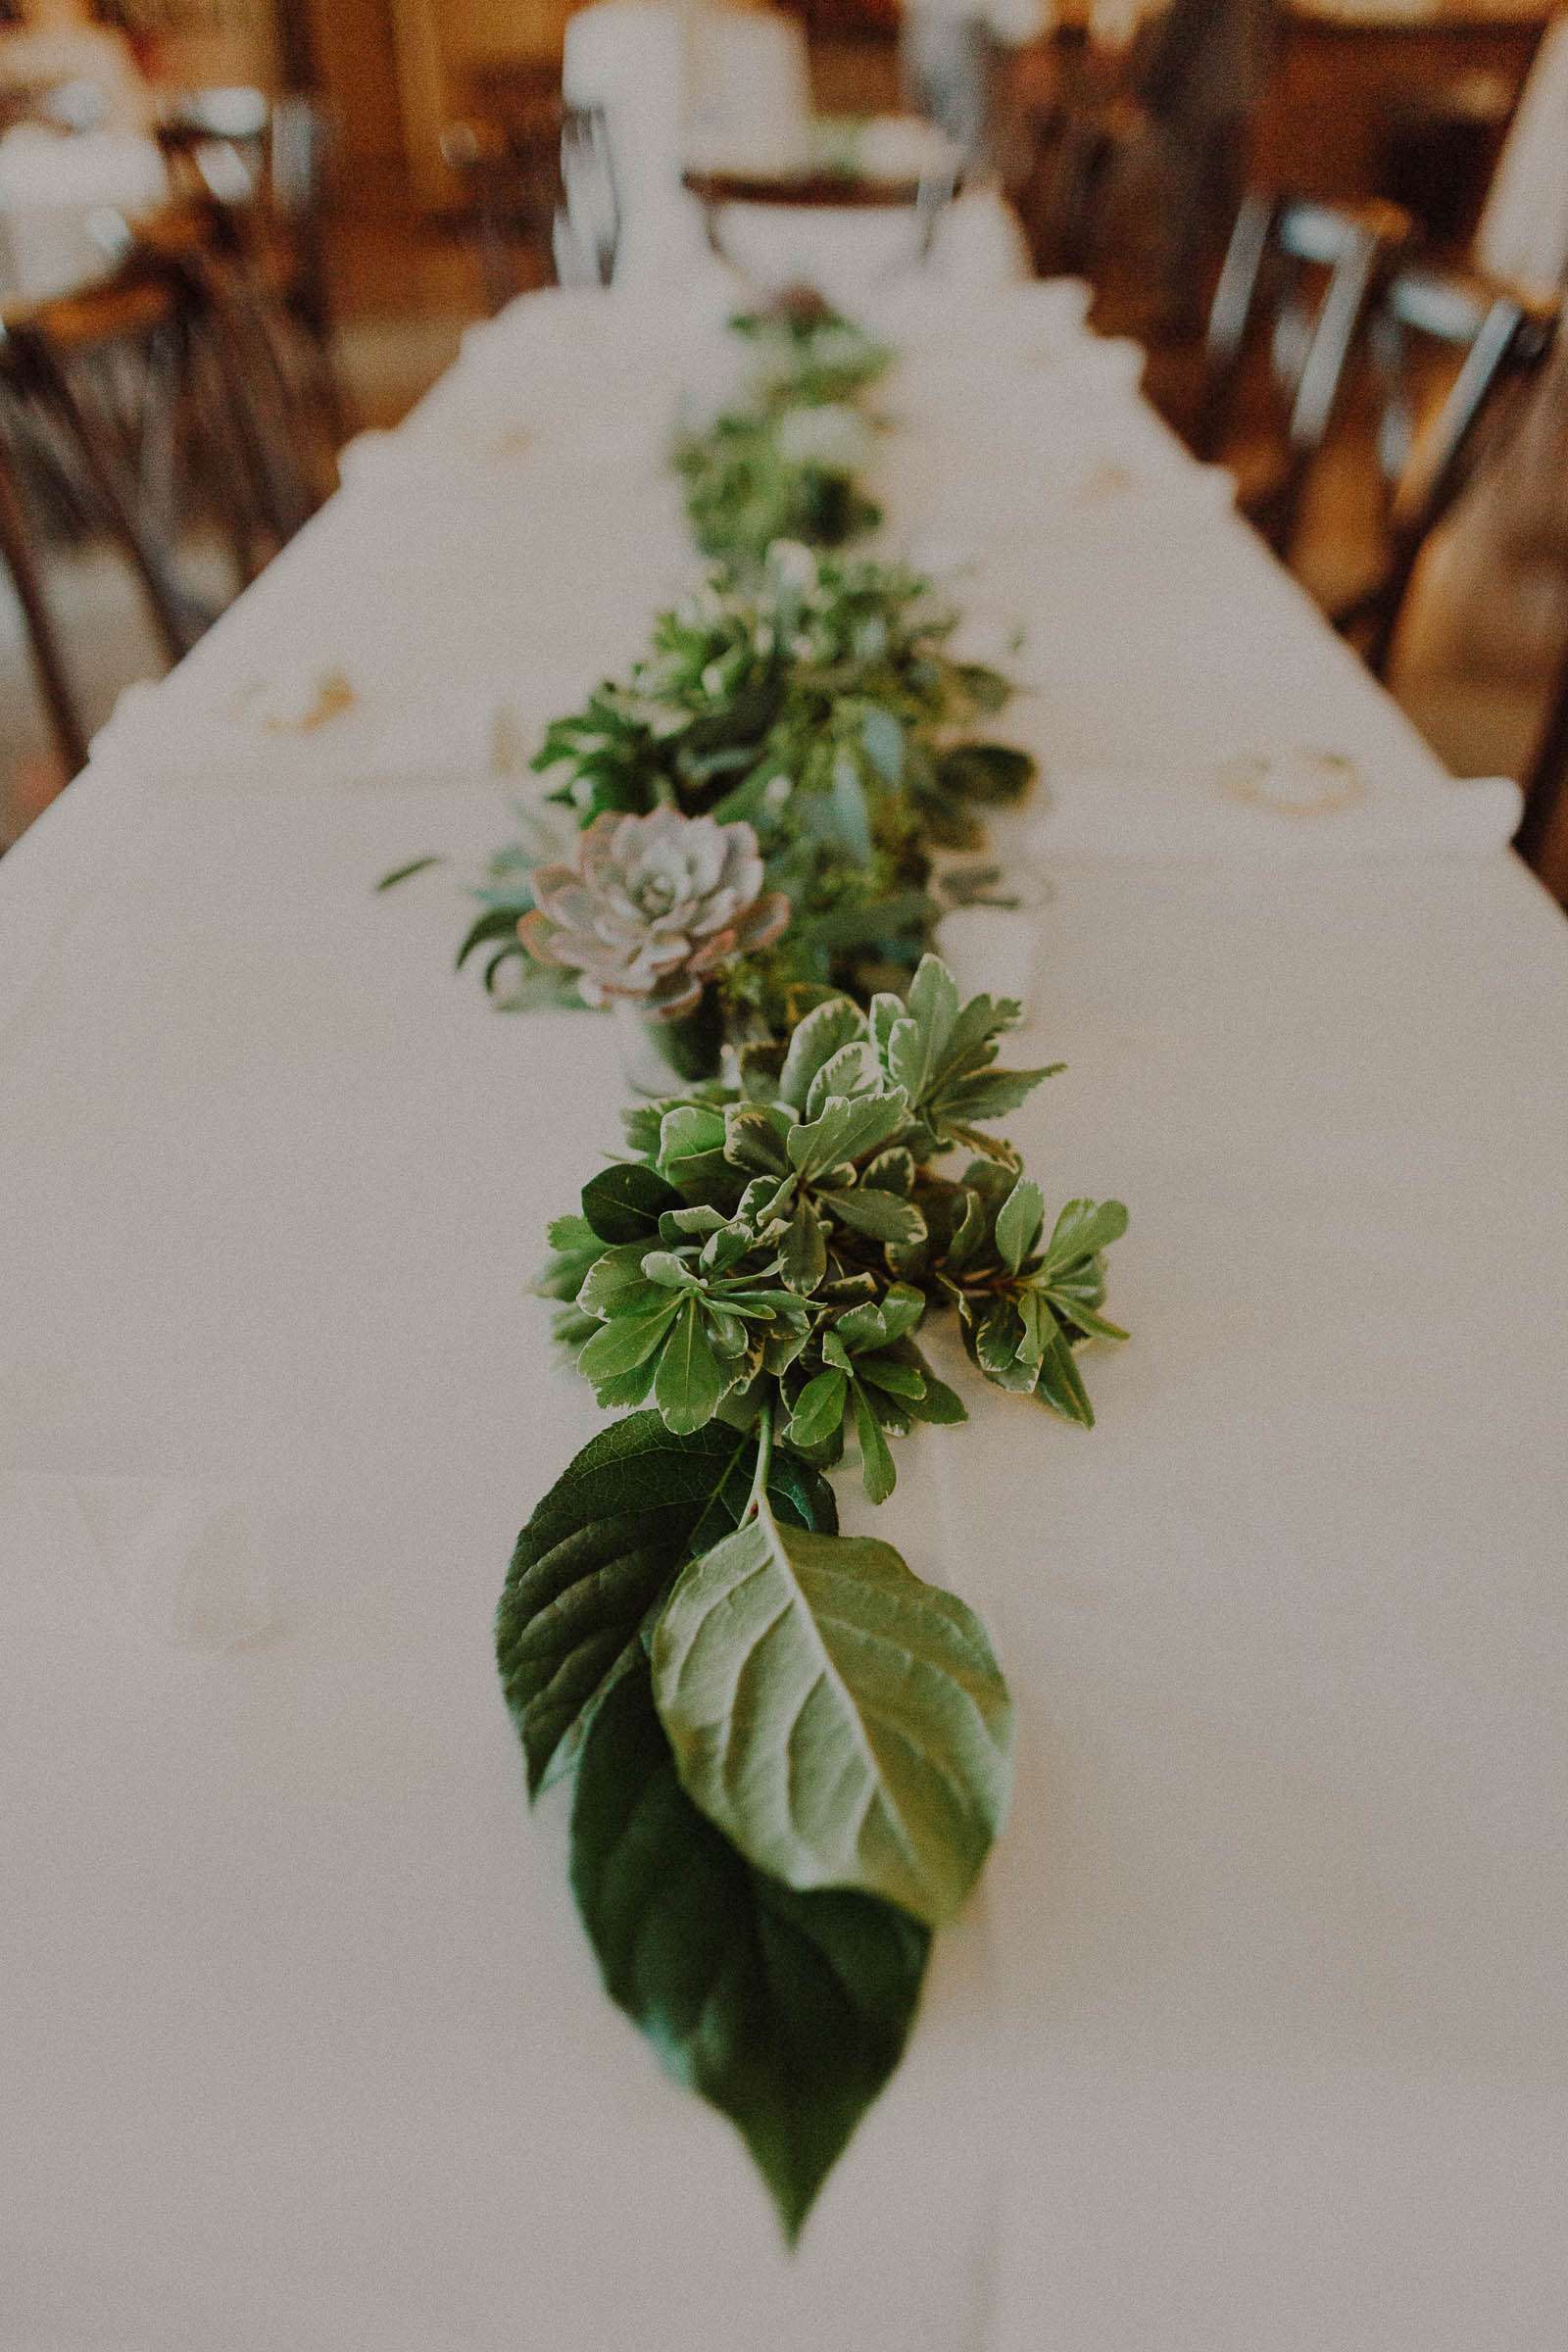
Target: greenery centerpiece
<point>783,464</point>
<point>791,1755</point>
<point>818,716</point>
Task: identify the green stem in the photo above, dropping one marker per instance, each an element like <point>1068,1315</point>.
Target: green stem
<point>764,1463</point>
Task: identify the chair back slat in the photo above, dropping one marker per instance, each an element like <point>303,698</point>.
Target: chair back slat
<point>1277,240</point>
<point>1547,787</point>
<point>132,402</point>
<point>1504,338</point>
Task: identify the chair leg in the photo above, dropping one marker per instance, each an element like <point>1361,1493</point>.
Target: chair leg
<point>16,547</point>
<point>254,400</point>
<point>1318,390</point>
<point>1229,319</point>
<point>175,614</point>
<point>1549,775</point>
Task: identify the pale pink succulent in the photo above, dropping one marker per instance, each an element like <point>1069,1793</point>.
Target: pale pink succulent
<point>651,908</point>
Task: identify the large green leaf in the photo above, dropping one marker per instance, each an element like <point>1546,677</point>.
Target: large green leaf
<point>843,1723</point>
<point>601,1548</point>
<point>787,2012</point>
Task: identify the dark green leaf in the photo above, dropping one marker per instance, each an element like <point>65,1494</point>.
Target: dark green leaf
<point>787,2012</point>
<point>878,1472</point>
<point>630,1339</point>
<point>939,1403</point>
<point>1083,1229</point>
<point>625,1202</point>
<point>498,922</point>
<point>816,1038</point>
<point>1018,1223</point>
<point>992,772</point>
<point>601,1547</point>
<point>818,1409</point>
<point>1061,1386</point>
<point>845,1131</point>
<point>803,1256</point>
<point>406,873</point>
<point>884,1216</point>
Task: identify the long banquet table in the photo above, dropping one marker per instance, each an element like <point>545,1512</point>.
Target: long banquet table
<point>1253,2037</point>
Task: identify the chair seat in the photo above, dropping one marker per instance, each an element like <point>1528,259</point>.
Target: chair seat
<point>822,191</point>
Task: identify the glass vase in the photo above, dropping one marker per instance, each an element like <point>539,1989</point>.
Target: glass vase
<point>668,1058</point>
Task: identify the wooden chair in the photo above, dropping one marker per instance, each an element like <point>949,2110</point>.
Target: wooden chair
<point>54,682</point>
<point>1547,785</point>
<point>1279,247</point>
<point>510,187</point>
<point>125,393</point>
<point>538,188</point>
<point>260,170</point>
<point>1503,336</point>
<point>924,199</point>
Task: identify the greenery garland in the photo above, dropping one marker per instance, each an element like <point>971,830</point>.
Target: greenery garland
<point>790,1754</point>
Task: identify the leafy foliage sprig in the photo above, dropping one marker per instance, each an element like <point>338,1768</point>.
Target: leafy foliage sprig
<point>808,694</point>
<point>783,463</point>
<point>791,1754</point>
<point>819,704</point>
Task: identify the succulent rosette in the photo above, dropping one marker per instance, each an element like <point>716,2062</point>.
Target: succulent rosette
<point>653,908</point>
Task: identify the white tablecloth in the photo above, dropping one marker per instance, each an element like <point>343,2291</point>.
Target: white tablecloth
<point>1253,2037</point>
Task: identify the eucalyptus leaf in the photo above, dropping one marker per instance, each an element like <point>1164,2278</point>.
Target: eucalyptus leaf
<point>843,1723</point>
<point>785,2011</point>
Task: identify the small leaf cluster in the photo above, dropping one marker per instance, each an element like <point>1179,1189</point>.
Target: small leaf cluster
<point>819,704</point>
<point>744,489</point>
<point>787,1237</point>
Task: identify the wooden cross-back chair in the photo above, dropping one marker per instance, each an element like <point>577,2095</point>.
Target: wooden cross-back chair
<point>1307,272</point>
<point>923,198</point>
<point>259,168</point>
<point>127,401</point>
<point>1504,337</point>
<point>537,187</point>
<point>1547,785</point>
